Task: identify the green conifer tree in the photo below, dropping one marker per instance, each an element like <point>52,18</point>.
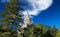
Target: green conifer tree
<point>54,31</point>
<point>11,14</point>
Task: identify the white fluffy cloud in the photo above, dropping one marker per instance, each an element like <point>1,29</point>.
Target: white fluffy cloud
<point>38,5</point>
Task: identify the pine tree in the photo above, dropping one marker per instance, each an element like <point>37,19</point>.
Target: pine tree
<point>54,31</point>
<point>48,32</point>
<point>40,30</point>
<point>12,14</point>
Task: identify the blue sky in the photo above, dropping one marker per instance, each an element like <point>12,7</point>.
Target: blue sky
<point>49,17</point>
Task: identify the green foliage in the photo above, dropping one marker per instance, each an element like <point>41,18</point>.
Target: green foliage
<point>40,31</point>
<point>19,35</point>
<point>58,34</point>
<point>11,13</point>
<point>34,31</point>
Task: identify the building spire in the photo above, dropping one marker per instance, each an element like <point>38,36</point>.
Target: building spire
<point>27,13</point>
